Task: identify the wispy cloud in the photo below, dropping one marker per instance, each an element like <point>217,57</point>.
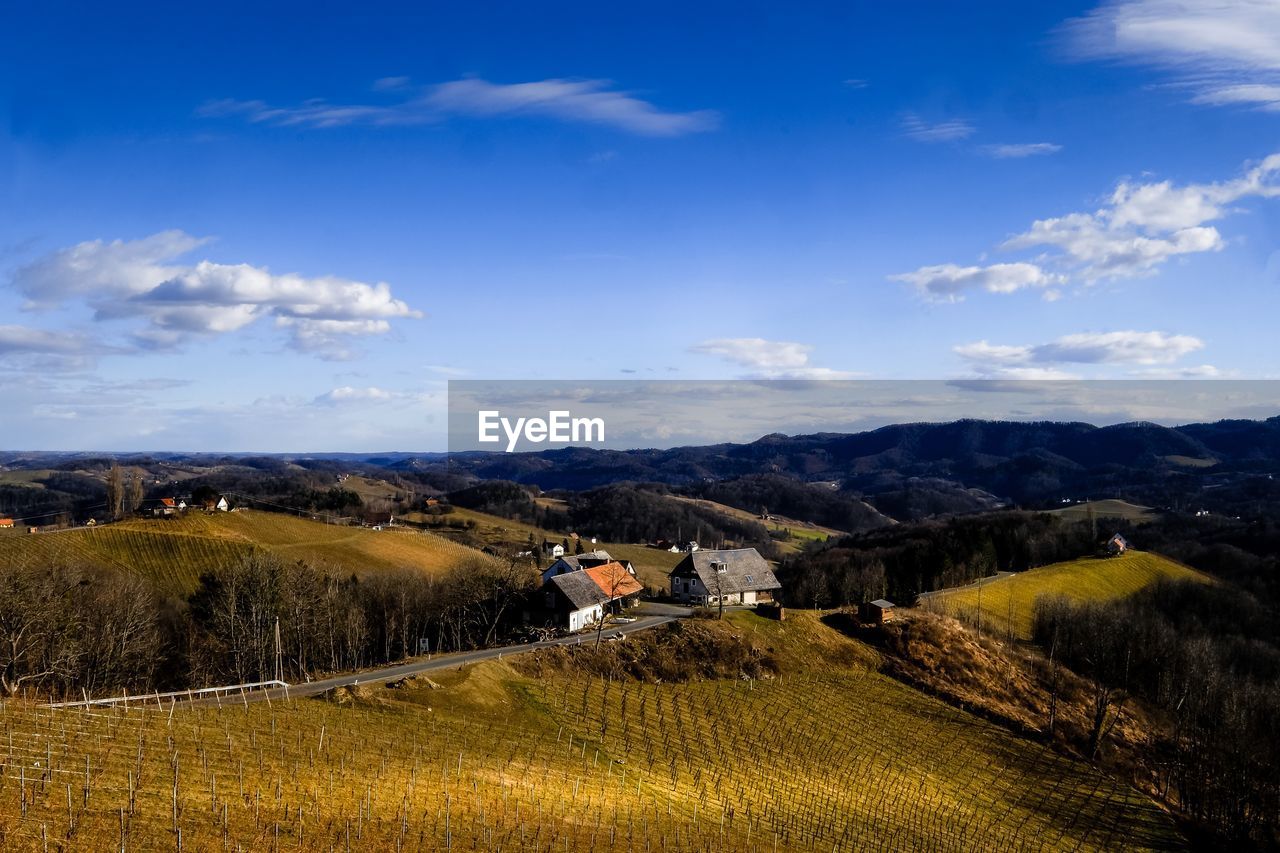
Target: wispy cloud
<point>952,130</point>
<point>769,359</point>
<point>1223,52</point>
<point>1017,150</point>
<point>142,279</point>
<point>569,100</point>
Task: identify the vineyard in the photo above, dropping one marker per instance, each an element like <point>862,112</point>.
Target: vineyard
<point>1006,605</point>
<point>173,553</point>
<point>826,757</point>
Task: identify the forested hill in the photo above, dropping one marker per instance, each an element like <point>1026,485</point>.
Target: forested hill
<point>1027,463</point>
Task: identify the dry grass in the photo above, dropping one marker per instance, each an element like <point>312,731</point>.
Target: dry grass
<point>1004,607</point>
<point>174,552</point>
<point>827,756</point>
<point>1110,508</point>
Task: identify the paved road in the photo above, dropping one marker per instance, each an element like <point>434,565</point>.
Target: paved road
<point>650,615</point>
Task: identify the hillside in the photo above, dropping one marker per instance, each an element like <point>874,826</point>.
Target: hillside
<point>1111,508</point>
<point>174,552</point>
<point>651,564</point>
<point>1005,604</point>
<point>553,759</point>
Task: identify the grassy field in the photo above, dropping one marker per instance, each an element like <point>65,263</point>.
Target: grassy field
<point>1110,508</point>
<point>800,531</point>
<point>651,564</point>
<point>831,755</point>
<point>1007,603</point>
<point>174,552</point>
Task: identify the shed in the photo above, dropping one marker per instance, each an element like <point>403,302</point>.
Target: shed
<point>876,612</point>
<point>1117,545</point>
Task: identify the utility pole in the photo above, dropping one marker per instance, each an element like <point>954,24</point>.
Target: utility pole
<point>279,676</point>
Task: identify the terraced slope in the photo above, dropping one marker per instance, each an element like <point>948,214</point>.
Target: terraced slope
<point>829,756</point>
<point>174,552</point>
<point>1006,604</point>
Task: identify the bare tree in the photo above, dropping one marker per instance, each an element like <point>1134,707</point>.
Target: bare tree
<point>115,492</point>
<point>133,492</point>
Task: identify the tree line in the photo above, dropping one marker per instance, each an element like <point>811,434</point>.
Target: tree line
<point>903,561</point>
<point>1207,656</point>
<point>69,629</point>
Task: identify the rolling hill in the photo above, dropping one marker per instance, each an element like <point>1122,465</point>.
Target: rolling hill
<point>174,552</point>
<point>1005,604</point>
<point>508,756</point>
<point>1111,508</point>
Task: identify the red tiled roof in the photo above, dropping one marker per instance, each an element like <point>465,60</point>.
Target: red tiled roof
<point>614,580</point>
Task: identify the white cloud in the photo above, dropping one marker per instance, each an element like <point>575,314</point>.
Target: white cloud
<point>1039,361</point>
<point>914,127</point>
<point>1139,228</point>
<point>348,394</point>
<point>769,359</point>
<point>140,279</point>
<point>948,282</point>
<point>1007,150</point>
<point>582,101</point>
<point>1223,52</point>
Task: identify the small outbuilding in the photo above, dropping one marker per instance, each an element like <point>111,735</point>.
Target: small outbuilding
<point>1117,545</point>
<point>876,612</point>
<point>6,522</point>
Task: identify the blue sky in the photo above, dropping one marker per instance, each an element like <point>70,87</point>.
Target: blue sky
<point>284,227</point>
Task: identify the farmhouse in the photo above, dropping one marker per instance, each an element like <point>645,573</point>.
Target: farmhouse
<point>1117,545</point>
<point>876,612</point>
<point>577,599</point>
<point>576,563</point>
<point>739,576</point>
<point>6,523</point>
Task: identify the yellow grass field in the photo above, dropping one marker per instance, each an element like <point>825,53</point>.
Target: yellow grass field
<point>174,552</point>
<point>830,756</point>
<point>1007,603</point>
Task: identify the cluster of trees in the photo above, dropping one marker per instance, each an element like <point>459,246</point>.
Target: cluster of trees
<point>632,513</point>
<point>1207,655</point>
<point>902,561</point>
<point>774,493</point>
<point>65,629</point>
<point>72,627</point>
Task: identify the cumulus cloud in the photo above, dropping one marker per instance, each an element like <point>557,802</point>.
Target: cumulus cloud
<point>1038,361</point>
<point>569,100</point>
<point>952,130</point>
<point>142,279</point>
<point>1141,226</point>
<point>948,282</point>
<point>1222,52</point>
<point>1014,150</point>
<point>769,359</point>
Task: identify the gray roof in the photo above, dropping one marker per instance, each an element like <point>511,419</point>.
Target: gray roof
<point>883,603</point>
<point>579,589</point>
<point>574,561</point>
<point>744,571</point>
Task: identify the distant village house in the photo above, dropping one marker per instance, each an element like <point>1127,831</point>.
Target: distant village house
<point>1117,545</point>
